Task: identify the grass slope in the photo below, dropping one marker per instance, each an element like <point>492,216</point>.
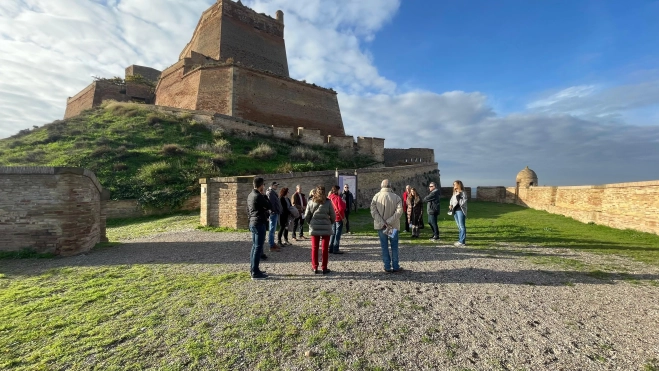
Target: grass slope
<point>159,158</point>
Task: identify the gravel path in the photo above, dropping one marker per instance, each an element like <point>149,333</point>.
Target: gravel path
<point>451,308</point>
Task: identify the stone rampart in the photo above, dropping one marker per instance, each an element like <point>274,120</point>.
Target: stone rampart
<point>51,210</point>
<point>399,156</point>
<point>621,205</point>
<point>223,200</point>
<point>373,147</point>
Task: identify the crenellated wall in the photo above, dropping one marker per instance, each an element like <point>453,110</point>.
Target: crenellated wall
<point>621,205</point>
<point>399,156</point>
<point>51,210</point>
<point>224,200</point>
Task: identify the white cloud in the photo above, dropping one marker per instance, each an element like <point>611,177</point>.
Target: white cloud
<point>50,48</point>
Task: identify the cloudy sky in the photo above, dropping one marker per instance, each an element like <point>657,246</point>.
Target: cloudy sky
<point>569,88</point>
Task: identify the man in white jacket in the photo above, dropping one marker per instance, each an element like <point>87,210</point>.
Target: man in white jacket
<point>386,209</point>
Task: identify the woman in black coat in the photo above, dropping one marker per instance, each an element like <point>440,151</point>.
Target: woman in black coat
<point>283,218</point>
<point>415,212</point>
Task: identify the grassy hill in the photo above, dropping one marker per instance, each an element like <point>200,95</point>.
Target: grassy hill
<point>158,158</point>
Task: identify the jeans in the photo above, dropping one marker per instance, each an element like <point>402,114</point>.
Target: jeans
<point>335,238</point>
<point>315,241</point>
<point>389,261</point>
<point>258,238</point>
<point>274,218</point>
<point>432,220</point>
<point>459,217</point>
<point>298,221</point>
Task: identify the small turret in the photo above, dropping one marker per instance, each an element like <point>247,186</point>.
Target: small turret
<point>280,16</point>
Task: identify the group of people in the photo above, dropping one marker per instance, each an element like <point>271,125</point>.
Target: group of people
<point>327,214</point>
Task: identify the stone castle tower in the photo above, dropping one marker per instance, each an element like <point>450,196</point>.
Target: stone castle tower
<point>235,65</point>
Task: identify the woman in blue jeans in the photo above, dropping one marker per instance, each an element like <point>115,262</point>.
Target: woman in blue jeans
<point>458,207</point>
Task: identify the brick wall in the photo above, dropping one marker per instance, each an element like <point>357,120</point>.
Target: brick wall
<point>51,210</point>
<point>223,200</point>
<point>621,205</point>
<point>148,73</point>
<point>215,90</point>
<point>176,89</point>
<point>80,102</point>
<point>271,100</point>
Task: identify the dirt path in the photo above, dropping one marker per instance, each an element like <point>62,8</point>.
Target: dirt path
<point>450,309</point>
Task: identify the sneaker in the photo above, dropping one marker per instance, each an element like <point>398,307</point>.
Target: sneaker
<point>458,244</point>
<point>287,243</point>
<point>303,237</point>
<point>259,276</point>
<point>275,248</point>
<point>326,271</point>
<point>338,252</point>
<point>316,271</point>
<point>400,269</point>
<point>434,239</point>
<point>388,271</point>
<point>264,257</point>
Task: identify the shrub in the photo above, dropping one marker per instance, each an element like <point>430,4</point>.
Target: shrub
<point>157,173</point>
<point>103,141</point>
<point>219,161</point>
<point>101,151</point>
<point>119,167</point>
<point>153,118</point>
<point>222,146</point>
<point>15,144</point>
<point>262,152</point>
<point>172,150</point>
<point>300,153</point>
<point>285,168</point>
<point>123,108</point>
<point>35,156</point>
<point>218,133</point>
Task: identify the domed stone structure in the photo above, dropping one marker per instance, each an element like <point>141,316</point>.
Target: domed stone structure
<point>527,178</point>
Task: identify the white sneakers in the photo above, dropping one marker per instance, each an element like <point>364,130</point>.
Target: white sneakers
<point>458,244</point>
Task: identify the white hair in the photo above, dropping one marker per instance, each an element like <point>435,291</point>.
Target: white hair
<point>385,184</point>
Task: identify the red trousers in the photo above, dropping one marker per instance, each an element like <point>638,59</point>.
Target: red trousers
<point>315,240</point>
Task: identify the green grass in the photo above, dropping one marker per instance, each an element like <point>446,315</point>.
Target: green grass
<point>157,158</point>
<point>129,228</point>
<point>492,225</point>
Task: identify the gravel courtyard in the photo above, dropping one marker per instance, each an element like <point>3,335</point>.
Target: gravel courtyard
<point>450,309</point>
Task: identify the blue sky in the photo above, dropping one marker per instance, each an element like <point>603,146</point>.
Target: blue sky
<point>569,88</point>
<point>514,51</point>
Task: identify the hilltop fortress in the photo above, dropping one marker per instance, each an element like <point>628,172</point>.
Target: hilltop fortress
<point>235,67</point>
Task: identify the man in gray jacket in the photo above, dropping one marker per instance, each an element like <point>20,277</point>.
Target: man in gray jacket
<point>386,209</point>
<point>275,211</point>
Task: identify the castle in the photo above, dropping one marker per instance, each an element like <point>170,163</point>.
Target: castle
<point>235,66</point>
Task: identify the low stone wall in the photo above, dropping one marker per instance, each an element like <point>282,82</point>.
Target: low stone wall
<point>51,210</point>
<point>621,205</point>
<point>133,209</point>
<point>224,200</point>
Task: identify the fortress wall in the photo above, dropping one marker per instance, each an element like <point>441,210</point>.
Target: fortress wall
<point>372,147</point>
<point>51,210</point>
<point>311,137</point>
<point>215,86</point>
<point>176,89</point>
<point>398,156</point>
<point>347,142</point>
<point>81,101</point>
<point>621,205</point>
<point>271,100</point>
<point>224,200</point>
<point>284,133</point>
<point>252,39</point>
<point>206,37</point>
<point>148,73</point>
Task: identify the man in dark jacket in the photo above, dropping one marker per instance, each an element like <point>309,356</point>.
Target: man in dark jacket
<point>299,200</point>
<point>432,200</point>
<point>275,211</point>
<point>349,199</point>
<point>258,207</point>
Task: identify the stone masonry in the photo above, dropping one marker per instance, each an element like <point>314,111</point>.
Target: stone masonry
<point>622,205</point>
<point>51,210</point>
<point>224,200</point>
